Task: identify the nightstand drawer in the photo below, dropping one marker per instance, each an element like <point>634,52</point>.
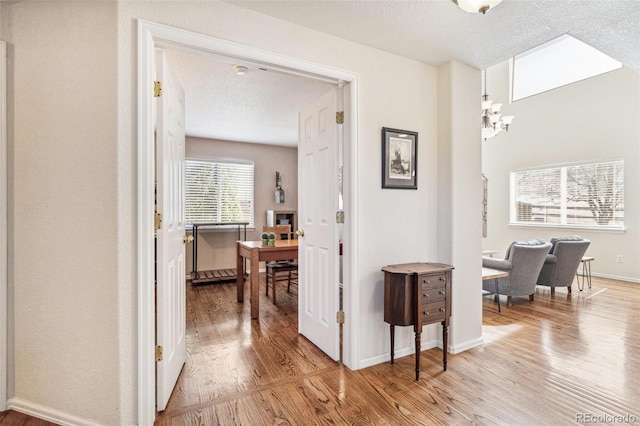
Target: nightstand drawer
<point>432,281</point>
<point>432,312</point>
<point>435,294</point>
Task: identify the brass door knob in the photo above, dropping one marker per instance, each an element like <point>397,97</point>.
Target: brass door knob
<point>300,233</point>
<point>188,239</point>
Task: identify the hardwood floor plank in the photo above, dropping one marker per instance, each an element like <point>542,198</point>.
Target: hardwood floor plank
<point>14,418</point>
<point>542,362</point>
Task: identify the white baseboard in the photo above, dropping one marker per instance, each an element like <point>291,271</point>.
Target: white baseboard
<point>615,277</point>
<point>47,413</point>
<point>398,353</point>
<point>410,350</point>
<point>465,346</point>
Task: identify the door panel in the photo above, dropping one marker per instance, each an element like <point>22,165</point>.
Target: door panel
<point>170,262</point>
<point>317,204</point>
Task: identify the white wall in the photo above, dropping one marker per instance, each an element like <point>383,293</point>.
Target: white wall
<point>595,119</point>
<point>460,199</point>
<point>74,186</point>
<point>64,208</point>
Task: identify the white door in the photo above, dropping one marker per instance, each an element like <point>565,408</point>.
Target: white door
<point>317,205</point>
<point>170,265</point>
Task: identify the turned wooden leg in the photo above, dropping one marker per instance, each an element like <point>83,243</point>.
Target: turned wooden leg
<point>553,291</point>
<point>445,344</point>
<point>418,356</point>
<point>531,297</point>
<point>569,288</point>
<point>392,334</point>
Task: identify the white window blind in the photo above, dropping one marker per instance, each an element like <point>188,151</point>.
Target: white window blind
<point>590,195</point>
<point>218,192</point>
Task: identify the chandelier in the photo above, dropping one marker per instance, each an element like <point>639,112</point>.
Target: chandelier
<point>477,6</point>
<point>492,121</point>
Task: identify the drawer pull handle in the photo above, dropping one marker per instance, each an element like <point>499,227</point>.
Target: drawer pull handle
<point>441,279</point>
<point>425,281</point>
<point>425,295</point>
<point>425,313</point>
<point>441,309</point>
<point>441,292</point>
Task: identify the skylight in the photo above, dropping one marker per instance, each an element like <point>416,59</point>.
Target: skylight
<point>559,62</point>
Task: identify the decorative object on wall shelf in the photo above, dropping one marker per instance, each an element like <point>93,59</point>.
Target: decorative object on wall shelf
<point>279,190</point>
<point>399,159</point>
<point>492,121</point>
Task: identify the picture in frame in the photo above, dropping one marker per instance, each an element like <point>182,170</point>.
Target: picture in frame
<point>399,159</point>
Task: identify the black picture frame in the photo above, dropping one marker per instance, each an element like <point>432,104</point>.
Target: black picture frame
<point>399,159</point>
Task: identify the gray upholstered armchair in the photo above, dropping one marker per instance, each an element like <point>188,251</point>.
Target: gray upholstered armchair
<point>563,260</point>
<point>523,260</point>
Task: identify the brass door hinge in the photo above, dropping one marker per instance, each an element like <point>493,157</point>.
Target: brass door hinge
<point>340,117</point>
<point>157,220</point>
<point>157,89</point>
<point>340,317</point>
<point>158,353</point>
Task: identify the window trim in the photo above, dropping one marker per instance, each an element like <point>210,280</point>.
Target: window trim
<point>614,229</point>
<point>606,229</point>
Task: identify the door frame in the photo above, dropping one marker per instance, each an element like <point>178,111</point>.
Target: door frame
<point>151,36</point>
<point>4,289</point>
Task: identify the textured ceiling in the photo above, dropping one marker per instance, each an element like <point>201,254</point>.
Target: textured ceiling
<point>262,106</point>
<point>436,31</point>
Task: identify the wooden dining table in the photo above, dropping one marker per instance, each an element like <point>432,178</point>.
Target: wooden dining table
<point>255,253</point>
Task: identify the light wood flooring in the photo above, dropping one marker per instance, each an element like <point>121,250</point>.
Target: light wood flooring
<point>543,362</point>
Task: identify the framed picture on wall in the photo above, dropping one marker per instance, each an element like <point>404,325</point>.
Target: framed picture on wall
<point>399,159</point>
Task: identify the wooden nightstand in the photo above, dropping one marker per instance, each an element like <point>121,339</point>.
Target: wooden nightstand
<point>418,294</point>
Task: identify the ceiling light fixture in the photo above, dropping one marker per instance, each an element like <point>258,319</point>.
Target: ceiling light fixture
<point>492,121</point>
<point>240,69</point>
<point>477,6</point>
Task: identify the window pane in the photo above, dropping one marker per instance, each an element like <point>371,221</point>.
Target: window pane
<point>595,194</point>
<point>538,196</point>
<point>559,62</point>
<point>219,192</point>
<point>580,194</point>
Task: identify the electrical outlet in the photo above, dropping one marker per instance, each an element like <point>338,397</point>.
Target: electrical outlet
<point>619,259</point>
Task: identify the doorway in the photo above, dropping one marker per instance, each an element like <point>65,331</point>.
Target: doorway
<point>153,36</point>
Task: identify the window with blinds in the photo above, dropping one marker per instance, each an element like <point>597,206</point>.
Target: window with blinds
<point>573,195</point>
<point>218,192</point>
